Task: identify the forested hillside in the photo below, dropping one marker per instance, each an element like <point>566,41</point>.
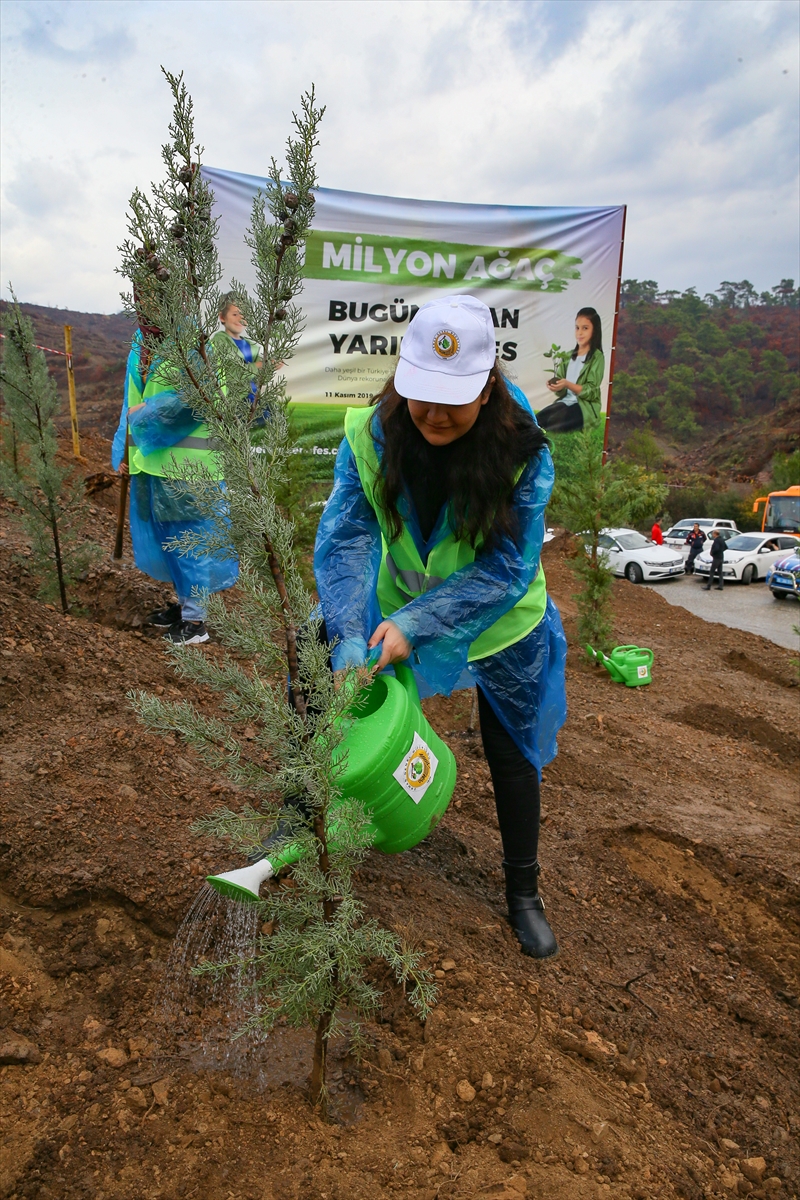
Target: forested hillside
<point>693,366</point>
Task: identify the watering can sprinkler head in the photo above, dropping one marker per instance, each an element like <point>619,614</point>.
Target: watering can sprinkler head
<point>244,883</point>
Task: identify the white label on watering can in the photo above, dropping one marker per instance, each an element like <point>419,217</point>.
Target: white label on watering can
<point>642,672</point>
<point>416,771</point>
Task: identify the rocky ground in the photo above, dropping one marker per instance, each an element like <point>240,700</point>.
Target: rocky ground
<point>657,1057</point>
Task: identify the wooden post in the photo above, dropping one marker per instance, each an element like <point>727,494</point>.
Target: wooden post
<point>73,405</point>
<point>124,481</point>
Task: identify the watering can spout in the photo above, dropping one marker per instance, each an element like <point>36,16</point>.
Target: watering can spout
<point>244,883</point>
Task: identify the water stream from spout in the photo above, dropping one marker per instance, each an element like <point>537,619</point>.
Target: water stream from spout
<point>203,1012</point>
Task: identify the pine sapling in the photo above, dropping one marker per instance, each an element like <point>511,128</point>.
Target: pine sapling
<point>314,965</point>
<point>51,498</point>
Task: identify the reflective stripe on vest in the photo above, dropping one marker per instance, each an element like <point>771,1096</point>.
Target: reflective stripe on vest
<point>403,576</point>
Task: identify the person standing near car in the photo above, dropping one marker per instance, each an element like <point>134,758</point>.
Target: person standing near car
<point>717,553</point>
<point>695,541</point>
<point>655,533</point>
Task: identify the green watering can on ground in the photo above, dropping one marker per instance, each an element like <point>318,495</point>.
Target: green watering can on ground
<point>400,770</point>
<point>626,664</point>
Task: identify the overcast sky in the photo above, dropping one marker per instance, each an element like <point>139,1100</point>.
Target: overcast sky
<point>685,110</point>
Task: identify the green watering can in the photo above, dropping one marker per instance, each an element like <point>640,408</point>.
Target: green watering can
<point>626,664</point>
<point>400,770</point>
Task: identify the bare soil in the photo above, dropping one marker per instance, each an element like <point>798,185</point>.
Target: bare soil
<point>656,1057</point>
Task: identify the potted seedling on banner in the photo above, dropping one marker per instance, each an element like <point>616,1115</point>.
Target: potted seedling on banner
<point>314,965</point>
<point>558,356</point>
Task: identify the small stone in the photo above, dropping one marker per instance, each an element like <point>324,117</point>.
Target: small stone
<point>113,1057</point>
<point>753,1168</point>
<point>729,1180</point>
<point>512,1152</point>
<point>160,1091</point>
<point>762,1102</point>
<point>773,1184</point>
<point>448,965</point>
<point>465,978</point>
<point>101,928</point>
<point>137,1045</point>
<point>495,1138</point>
<point>93,1030</point>
<point>136,1098</point>
<point>441,1153</point>
<point>599,1131</point>
<point>417,1061</point>
<point>487,1080</point>
<point>716,947</point>
<point>14,1048</point>
<point>518,1184</point>
<point>465,1091</point>
<point>69,1123</point>
<point>385,1060</point>
<point>580,1165</point>
<point>126,792</point>
<point>727,1144</point>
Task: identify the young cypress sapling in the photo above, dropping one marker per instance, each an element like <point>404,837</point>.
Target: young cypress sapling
<point>314,965</point>
<point>598,495</point>
<point>51,497</point>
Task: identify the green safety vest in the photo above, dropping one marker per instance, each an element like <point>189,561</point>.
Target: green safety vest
<point>403,576</point>
<point>197,446</point>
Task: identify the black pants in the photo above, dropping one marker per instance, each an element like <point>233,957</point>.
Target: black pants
<point>560,417</point>
<point>516,789</point>
<point>693,553</point>
<point>716,569</point>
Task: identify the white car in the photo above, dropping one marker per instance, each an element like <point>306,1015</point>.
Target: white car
<point>677,535</point>
<point>748,556</point>
<point>630,554</point>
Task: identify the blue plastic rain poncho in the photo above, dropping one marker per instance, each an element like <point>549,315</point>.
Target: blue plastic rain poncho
<point>525,682</point>
<point>162,432</point>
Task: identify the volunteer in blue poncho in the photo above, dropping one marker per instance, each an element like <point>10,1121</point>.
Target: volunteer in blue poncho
<point>429,547</point>
<point>162,431</point>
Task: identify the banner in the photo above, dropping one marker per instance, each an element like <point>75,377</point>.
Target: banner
<point>371,261</point>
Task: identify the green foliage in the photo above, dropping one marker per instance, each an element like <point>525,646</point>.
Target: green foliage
<point>687,362</point>
<point>642,448</point>
<point>558,356</point>
<point>676,408</point>
<point>635,390</point>
<point>314,966</point>
<point>785,471</point>
<point>50,497</point>
<point>600,495</point>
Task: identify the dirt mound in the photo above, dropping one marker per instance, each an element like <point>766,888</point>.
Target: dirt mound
<point>655,1058</point>
<point>740,661</point>
<point>726,722</point>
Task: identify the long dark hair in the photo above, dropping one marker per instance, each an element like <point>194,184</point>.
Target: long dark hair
<point>597,331</point>
<point>481,468</point>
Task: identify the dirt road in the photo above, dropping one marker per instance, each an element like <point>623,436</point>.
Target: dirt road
<point>657,1057</point>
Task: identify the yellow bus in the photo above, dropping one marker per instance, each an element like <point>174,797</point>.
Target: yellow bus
<point>781,511</point>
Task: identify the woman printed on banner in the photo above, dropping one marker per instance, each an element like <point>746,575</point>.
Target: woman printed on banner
<point>578,399</point>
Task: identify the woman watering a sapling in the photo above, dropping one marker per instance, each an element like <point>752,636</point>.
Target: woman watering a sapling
<point>577,382</point>
<point>429,548</point>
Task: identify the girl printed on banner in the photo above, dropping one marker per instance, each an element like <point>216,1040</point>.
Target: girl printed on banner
<point>577,386</point>
<point>429,547</point>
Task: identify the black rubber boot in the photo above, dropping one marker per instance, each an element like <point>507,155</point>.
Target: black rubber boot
<point>526,911</point>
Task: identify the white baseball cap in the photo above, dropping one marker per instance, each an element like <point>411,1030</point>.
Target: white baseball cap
<point>448,352</point>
